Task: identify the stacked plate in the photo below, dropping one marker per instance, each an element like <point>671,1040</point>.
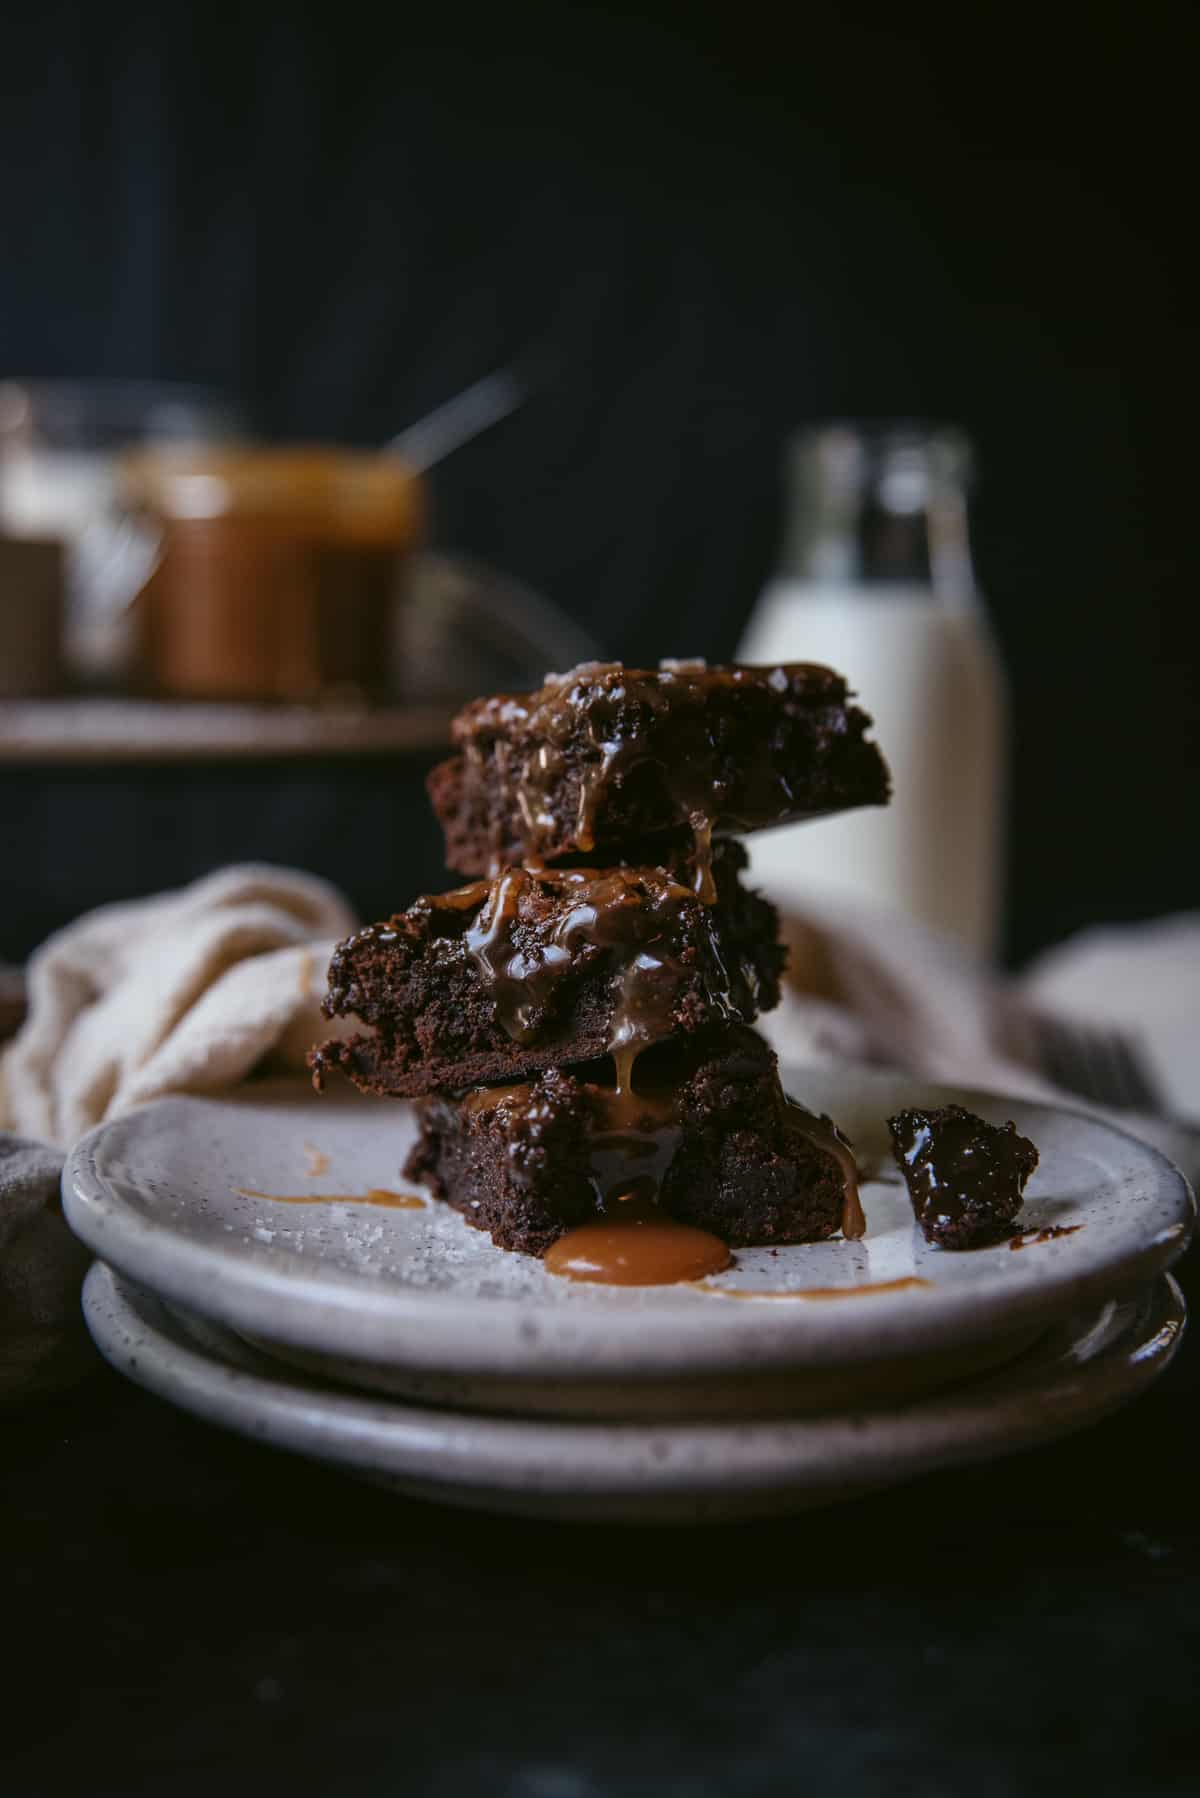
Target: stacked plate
<point>264,1265</point>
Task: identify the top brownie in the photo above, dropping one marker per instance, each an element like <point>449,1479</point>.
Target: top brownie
<point>607,755</point>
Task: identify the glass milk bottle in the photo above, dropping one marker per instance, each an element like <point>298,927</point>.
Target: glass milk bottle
<point>876,580</point>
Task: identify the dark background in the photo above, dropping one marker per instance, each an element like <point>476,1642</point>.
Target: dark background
<point>712,225</point>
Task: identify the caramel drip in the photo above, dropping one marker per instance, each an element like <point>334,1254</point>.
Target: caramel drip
<point>606,697</point>
<point>488,941</point>
<point>637,1245</point>
<point>623,1060</point>
<point>815,1292</point>
<point>632,1136</point>
<point>702,835</point>
<point>634,1139</point>
<point>376,1195</point>
<point>464,898</point>
<point>824,1134</point>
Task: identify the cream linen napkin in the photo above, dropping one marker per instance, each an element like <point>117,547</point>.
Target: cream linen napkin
<point>186,992</point>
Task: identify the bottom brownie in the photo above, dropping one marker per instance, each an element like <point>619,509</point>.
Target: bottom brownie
<point>707,1133</point>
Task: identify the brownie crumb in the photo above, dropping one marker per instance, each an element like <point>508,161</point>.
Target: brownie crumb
<point>965,1177</point>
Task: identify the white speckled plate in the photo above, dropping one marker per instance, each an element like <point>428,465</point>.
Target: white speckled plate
<point>419,1301</point>
<point>1083,1368</point>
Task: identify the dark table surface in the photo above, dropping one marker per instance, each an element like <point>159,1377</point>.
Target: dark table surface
<point>187,1613</point>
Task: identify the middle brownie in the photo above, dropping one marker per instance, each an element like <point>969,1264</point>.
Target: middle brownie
<point>542,968</point>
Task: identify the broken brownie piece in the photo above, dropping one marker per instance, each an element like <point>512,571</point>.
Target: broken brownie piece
<point>607,754</point>
<point>965,1177</point>
<point>503,979</point>
<point>707,1133</point>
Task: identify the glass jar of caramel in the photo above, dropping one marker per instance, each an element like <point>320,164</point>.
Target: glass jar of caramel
<point>278,571</point>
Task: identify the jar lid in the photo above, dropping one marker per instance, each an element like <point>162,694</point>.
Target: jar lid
<point>343,496</point>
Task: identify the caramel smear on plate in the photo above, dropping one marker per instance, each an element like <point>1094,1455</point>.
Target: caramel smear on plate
<point>813,1292</point>
<point>317,1159</point>
<point>1027,1238</point>
<point>376,1195</point>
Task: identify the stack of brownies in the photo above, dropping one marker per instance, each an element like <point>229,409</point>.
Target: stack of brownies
<point>575,1023</point>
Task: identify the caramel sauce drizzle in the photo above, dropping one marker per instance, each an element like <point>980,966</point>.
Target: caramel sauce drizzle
<point>627,915</point>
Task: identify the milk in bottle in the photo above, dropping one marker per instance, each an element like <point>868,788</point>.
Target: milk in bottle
<point>876,581</point>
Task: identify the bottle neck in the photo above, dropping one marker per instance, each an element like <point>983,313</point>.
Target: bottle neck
<point>878,512</point>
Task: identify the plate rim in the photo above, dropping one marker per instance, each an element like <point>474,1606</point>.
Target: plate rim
<point>484,1454</point>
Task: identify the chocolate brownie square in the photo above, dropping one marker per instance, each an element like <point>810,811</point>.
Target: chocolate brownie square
<point>606,755</point>
<point>541,968</point>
